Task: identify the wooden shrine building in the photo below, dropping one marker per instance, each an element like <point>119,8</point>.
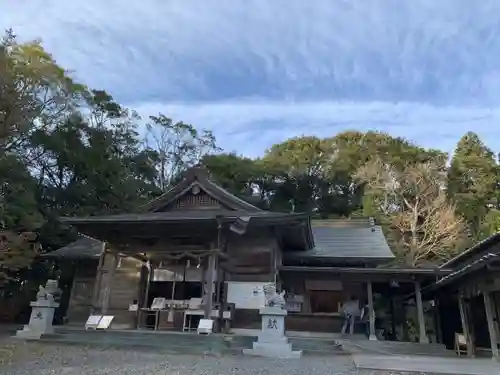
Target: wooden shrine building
<point>208,253</point>
<point>468,299</point>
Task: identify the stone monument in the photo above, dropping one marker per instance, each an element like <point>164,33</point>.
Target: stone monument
<point>42,312</point>
<point>272,341</point>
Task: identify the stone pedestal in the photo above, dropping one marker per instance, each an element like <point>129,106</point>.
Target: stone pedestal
<point>42,315</point>
<point>272,341</point>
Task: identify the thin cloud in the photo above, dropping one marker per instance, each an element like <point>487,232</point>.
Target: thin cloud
<point>249,127</point>
<point>265,70</point>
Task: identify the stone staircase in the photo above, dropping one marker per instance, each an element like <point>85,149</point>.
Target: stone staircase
<point>180,343</point>
<point>232,344</point>
<point>165,342</point>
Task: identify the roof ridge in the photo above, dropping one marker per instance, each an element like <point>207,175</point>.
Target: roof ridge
<point>363,222</point>
<point>199,175</point>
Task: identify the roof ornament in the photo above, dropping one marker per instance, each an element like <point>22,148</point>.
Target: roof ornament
<point>195,189</point>
<point>197,172</point>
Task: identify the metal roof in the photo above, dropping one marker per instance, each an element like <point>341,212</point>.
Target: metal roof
<point>475,265</point>
<point>374,271</point>
<point>348,242</point>
<point>478,248</point>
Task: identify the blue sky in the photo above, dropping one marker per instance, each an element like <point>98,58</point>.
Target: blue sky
<point>257,72</point>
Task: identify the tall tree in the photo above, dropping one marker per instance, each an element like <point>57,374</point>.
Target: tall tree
<point>178,146</point>
<point>90,168</point>
<point>298,167</point>
<point>35,91</point>
<point>424,225</point>
<point>473,181</point>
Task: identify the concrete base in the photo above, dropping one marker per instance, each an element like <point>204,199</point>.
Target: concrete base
<point>42,315</point>
<point>28,334</point>
<point>272,341</point>
<point>269,350</point>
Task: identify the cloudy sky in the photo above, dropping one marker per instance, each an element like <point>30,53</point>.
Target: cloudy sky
<point>259,71</point>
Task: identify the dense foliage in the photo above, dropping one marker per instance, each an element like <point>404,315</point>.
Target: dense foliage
<point>66,149</point>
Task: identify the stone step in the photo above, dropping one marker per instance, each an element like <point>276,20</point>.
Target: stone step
<point>179,343</point>
<point>144,335</point>
<point>317,346</point>
<point>139,343</point>
<point>396,348</point>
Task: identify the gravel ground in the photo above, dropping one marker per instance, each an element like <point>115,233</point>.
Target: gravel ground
<point>22,358</point>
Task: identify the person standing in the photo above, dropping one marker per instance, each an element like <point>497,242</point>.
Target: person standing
<point>351,311</point>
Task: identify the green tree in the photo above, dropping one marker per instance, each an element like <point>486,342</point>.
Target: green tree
<point>35,91</point>
<point>297,167</point>
<point>473,181</point>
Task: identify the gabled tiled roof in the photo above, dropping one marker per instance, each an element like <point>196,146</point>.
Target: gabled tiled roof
<point>199,176</point>
<point>83,248</point>
<point>180,215</point>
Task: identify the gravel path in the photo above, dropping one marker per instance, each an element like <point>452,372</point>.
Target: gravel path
<point>43,359</point>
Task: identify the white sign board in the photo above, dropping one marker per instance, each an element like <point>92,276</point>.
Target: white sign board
<point>158,303</point>
<point>105,322</point>
<point>93,321</point>
<point>246,295</point>
<point>205,326</point>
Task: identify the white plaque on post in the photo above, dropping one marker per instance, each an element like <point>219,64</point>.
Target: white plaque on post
<point>93,321</point>
<point>205,326</point>
<point>158,303</point>
<point>105,322</point>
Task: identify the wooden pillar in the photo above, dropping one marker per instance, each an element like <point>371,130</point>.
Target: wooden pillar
<point>465,325</point>
<point>107,287</point>
<point>392,312</point>
<point>371,312</point>
<point>488,308</point>
<point>210,286</point>
<point>98,279</point>
<point>423,339</point>
<point>437,321</point>
<point>149,276</point>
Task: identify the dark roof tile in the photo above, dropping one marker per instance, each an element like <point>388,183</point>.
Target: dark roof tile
<point>83,248</point>
<point>352,242</point>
